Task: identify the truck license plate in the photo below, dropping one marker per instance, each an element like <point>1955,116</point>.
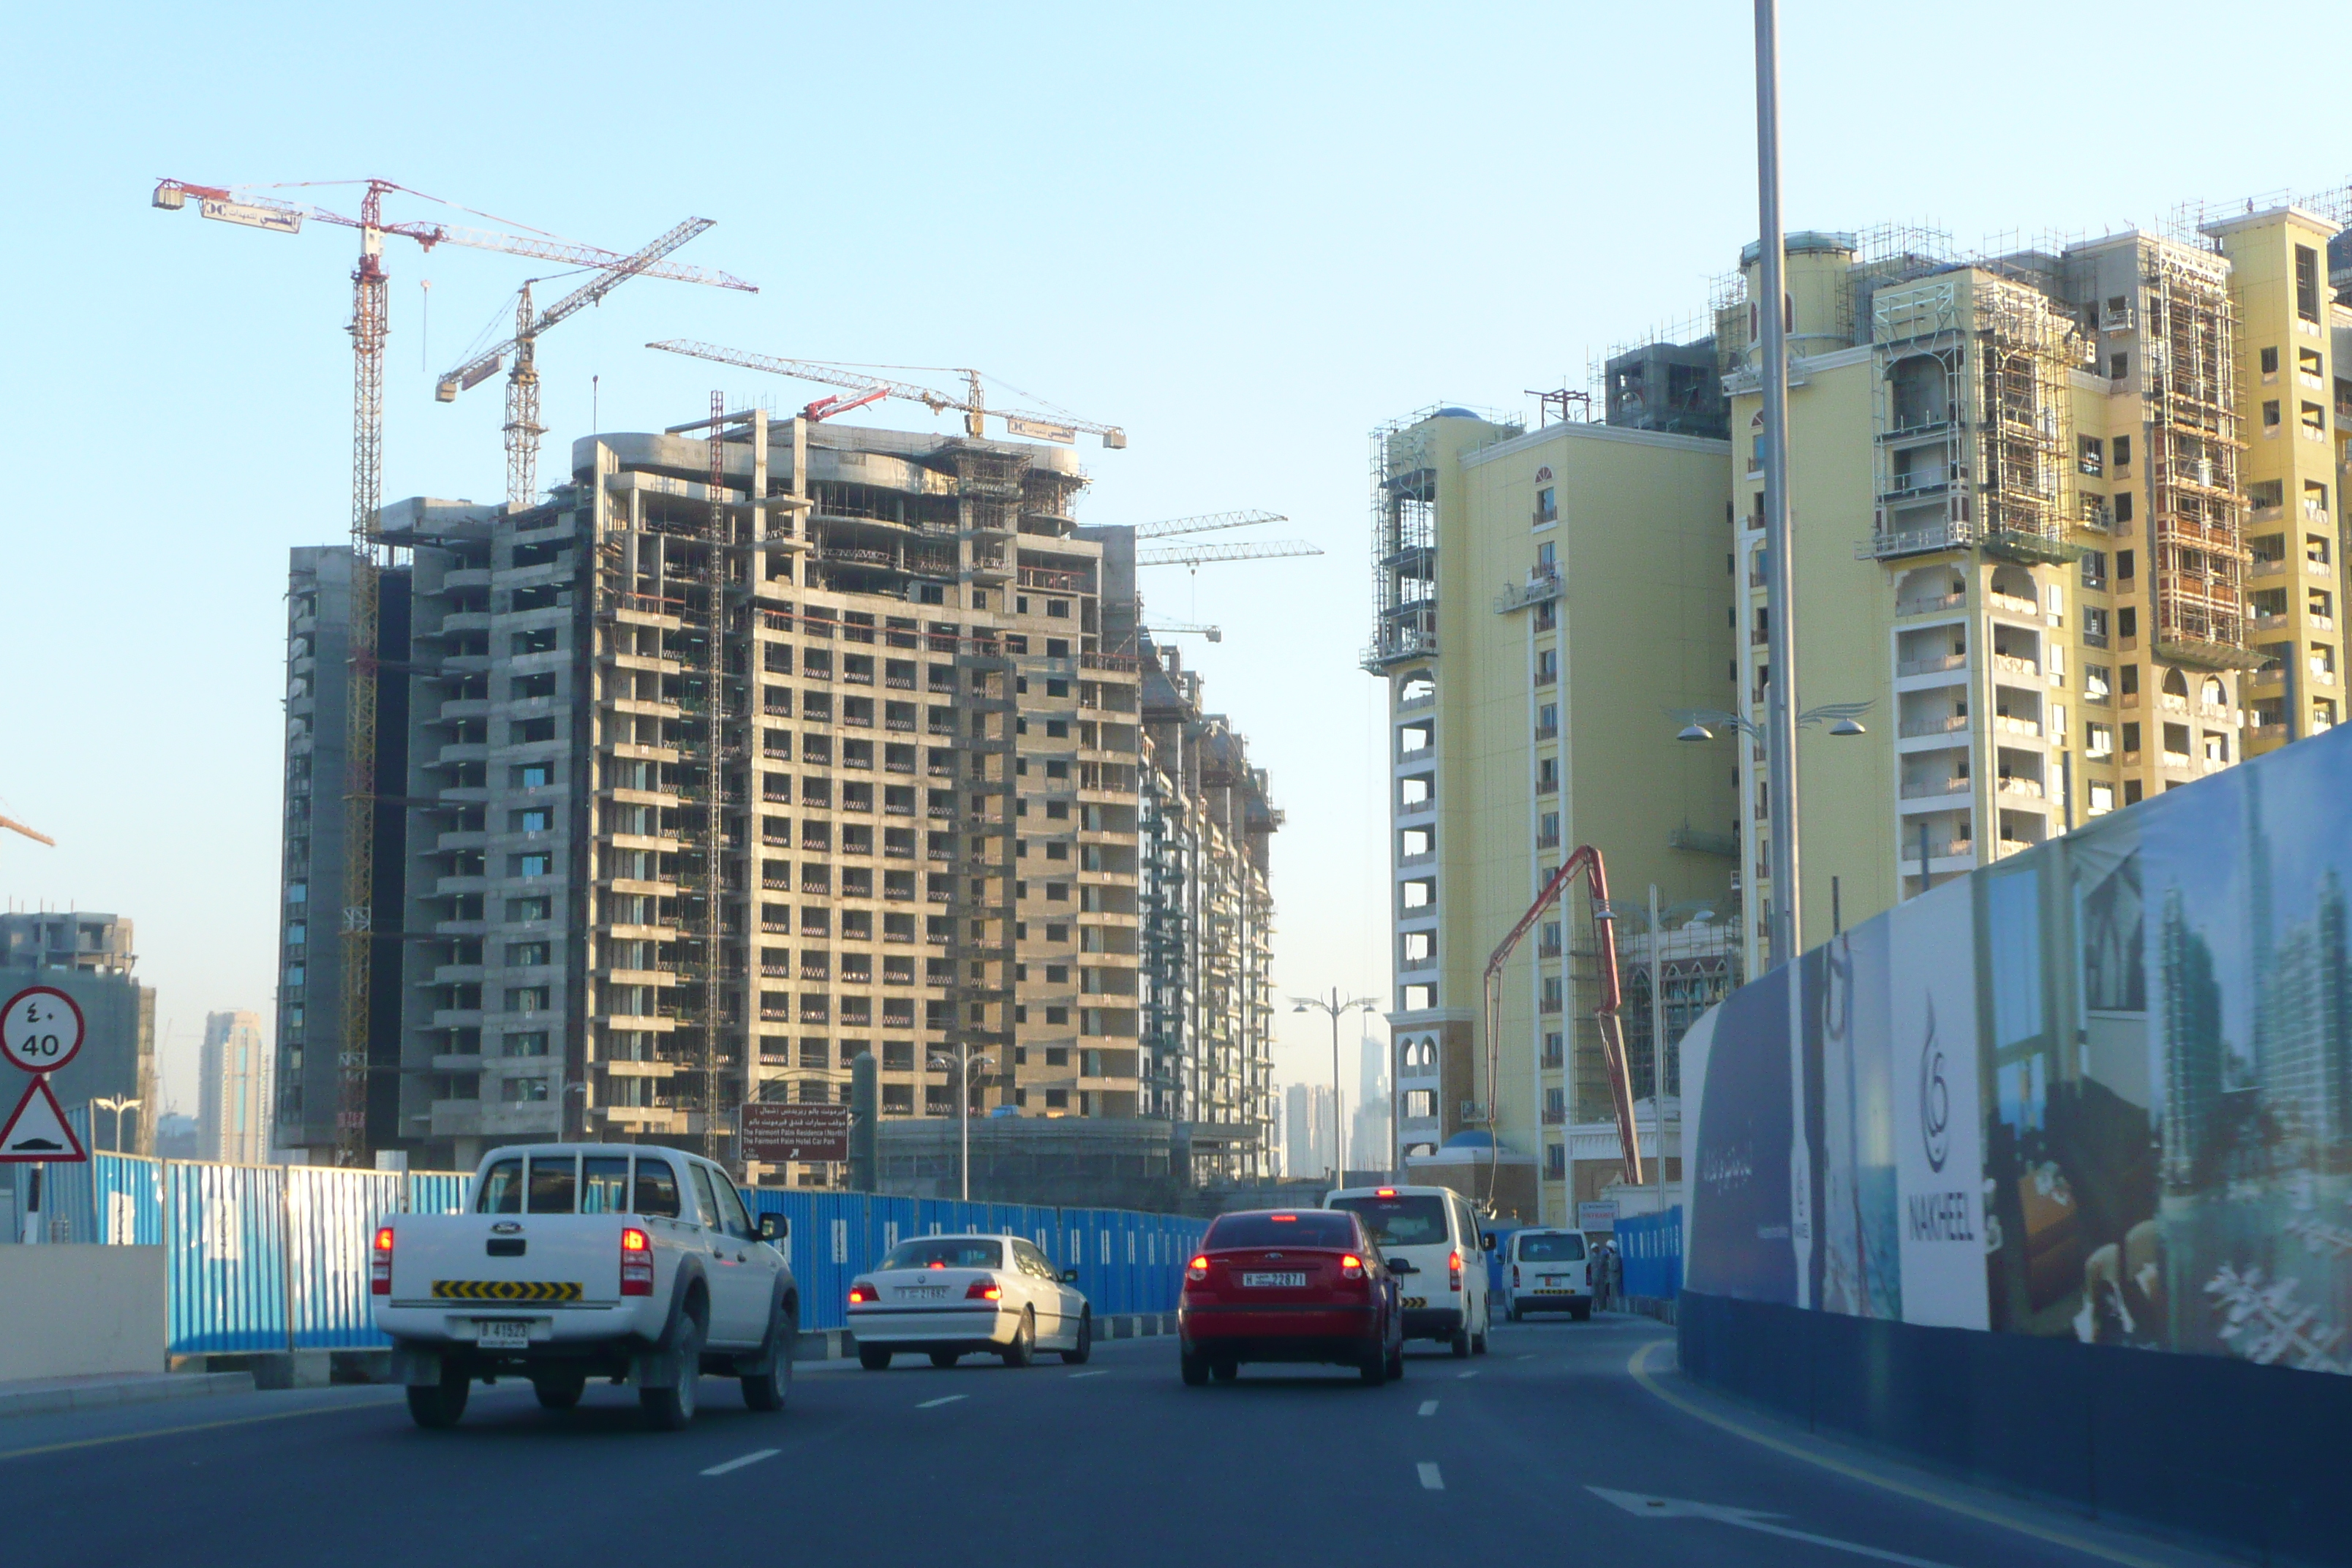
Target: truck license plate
<point>1293,1280</point>
<point>501,1333</point>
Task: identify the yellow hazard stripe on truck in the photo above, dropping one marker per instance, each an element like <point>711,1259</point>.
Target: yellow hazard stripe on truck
<point>506,1290</point>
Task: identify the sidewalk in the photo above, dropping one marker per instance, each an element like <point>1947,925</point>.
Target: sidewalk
<point>48,1395</point>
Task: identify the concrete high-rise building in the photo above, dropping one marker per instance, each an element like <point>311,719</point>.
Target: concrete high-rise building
<point>1368,1121</point>
<point>88,956</point>
<point>1306,1130</point>
<point>2064,536</point>
<point>1547,600</point>
<point>882,764</point>
<point>232,1103</point>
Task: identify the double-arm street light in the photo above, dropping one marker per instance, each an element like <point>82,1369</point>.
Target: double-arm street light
<point>961,1065</point>
<point>1335,1005</point>
<point>118,1106</point>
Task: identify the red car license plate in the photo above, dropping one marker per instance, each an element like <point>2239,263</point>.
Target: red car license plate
<point>1290,1280</point>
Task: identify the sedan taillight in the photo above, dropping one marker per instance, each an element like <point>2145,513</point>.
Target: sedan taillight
<point>862,1294</point>
<point>1197,1269</point>
<point>636,1262</point>
<point>984,1290</point>
<point>1352,1266</point>
<point>380,1264</point>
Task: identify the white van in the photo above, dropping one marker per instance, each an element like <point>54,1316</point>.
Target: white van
<point>1548,1271</point>
<point>1430,1237</point>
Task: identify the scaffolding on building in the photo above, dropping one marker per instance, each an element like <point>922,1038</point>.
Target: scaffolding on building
<point>1405,544</point>
<point>2195,526</point>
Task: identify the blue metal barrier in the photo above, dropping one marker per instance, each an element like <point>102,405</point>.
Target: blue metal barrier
<point>226,1257</point>
<point>1651,1248</point>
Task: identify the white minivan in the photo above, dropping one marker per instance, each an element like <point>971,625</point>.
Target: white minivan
<point>1548,1271</point>
<point>1429,1237</point>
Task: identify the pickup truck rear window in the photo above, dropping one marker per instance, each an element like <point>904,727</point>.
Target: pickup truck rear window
<point>657,1190</point>
<point>555,1184</point>
<point>501,1189</point>
<point>604,1184</point>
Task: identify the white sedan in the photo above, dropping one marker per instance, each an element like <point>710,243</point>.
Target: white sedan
<point>953,1296</point>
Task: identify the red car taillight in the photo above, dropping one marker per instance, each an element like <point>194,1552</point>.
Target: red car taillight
<point>1197,1269</point>
<point>636,1262</point>
<point>1352,1266</point>
<point>860,1295</point>
<point>380,1264</point>
<point>1454,1270</point>
<point>984,1290</point>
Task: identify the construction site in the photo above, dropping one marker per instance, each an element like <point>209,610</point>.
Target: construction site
<point>750,747</point>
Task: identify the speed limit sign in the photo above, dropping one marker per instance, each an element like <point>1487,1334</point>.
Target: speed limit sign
<point>41,1029</point>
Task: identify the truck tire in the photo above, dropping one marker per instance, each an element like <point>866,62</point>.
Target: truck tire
<point>671,1409</point>
<point>560,1390</point>
<point>1078,1354</point>
<point>767,1392</point>
<point>437,1406</point>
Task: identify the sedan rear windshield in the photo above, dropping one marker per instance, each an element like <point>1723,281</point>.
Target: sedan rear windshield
<point>1401,1221</point>
<point>1552,1248</point>
<point>946,1252</point>
<point>1307,1230</point>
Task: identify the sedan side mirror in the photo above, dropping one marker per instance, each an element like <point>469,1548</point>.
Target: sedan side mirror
<point>774,1227</point>
<point>1069,1276</point>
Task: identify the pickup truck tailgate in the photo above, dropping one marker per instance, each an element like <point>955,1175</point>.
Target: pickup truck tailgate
<point>506,1258</point>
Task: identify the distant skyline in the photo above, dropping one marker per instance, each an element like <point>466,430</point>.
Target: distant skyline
<point>1248,235</point>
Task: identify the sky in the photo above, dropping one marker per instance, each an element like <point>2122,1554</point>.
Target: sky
<point>1247,234</point>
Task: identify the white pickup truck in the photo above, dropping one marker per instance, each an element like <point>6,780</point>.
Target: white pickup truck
<point>629,1262</point>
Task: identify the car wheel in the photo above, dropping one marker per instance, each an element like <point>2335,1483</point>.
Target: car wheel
<point>437,1406</point>
<point>1581,1312</point>
<point>946,1359</point>
<point>1195,1368</point>
<point>873,1358</point>
<point>1461,1341</point>
<point>1479,1340</point>
<point>671,1409</point>
<point>1023,1348</point>
<point>1374,1368</point>
<point>1396,1361</point>
<point>1225,1371</point>
<point>768,1392</point>
<point>560,1391</point>
<point>1516,1313</point>
<point>1079,1353</point>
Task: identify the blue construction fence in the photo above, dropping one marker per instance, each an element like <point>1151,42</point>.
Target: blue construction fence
<point>275,1257</point>
<point>1651,1245</point>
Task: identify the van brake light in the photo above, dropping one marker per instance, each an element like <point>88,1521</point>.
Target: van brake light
<point>380,1264</point>
<point>1453,1270</point>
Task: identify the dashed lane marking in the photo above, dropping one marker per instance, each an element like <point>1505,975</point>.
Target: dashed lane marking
<point>1472,1372</point>
<point>943,1399</point>
<point>753,1457</point>
<point>1098,1372</point>
<point>1431,1481</point>
<point>1429,1407</point>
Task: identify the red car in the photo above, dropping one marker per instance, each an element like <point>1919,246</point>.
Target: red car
<point>1279,1285</point>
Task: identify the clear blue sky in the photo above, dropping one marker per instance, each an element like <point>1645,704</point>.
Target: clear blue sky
<point>1247,233</point>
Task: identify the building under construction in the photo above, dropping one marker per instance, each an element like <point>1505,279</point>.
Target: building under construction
<point>760,747</point>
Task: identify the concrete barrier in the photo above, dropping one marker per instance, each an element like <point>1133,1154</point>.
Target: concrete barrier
<point>82,1311</point>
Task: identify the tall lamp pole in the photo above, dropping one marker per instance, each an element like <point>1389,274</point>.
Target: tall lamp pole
<point>1781,688</point>
<point>118,1106</point>
<point>1335,1005</point>
<point>961,1064</point>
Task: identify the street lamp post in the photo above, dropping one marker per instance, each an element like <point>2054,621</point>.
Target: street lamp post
<point>961,1064</point>
<point>116,1105</point>
<point>1334,1006</point>
<point>1780,685</point>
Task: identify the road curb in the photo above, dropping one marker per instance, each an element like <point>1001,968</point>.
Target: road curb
<point>48,1397</point>
<point>840,1344</point>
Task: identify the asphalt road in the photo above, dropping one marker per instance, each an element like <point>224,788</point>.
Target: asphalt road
<point>1495,1458</point>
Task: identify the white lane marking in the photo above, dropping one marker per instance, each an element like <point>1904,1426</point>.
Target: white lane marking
<point>1472,1372</point>
<point>1529,1355</point>
<point>943,1399</point>
<point>1746,1518</point>
<point>1098,1372</point>
<point>1429,1407</point>
<point>753,1457</point>
<point>1431,1481</point>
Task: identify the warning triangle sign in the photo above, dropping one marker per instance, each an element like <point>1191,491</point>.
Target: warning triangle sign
<point>37,1130</point>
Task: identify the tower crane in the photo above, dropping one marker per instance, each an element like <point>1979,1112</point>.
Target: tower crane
<point>1207,523</point>
<point>972,403</point>
<point>13,826</point>
<point>522,427</point>
<point>1204,554</point>
<point>370,555</point>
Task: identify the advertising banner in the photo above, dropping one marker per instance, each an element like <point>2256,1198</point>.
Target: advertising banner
<point>1930,1039</point>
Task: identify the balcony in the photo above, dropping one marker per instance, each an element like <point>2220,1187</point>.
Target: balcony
<point>1932,665</point>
